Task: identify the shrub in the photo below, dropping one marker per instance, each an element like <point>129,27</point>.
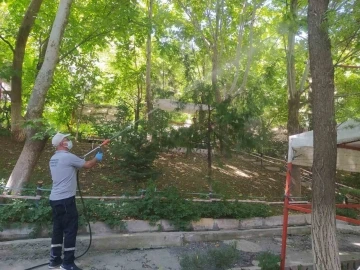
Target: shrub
<point>351,213</point>
<point>153,207</point>
<point>268,261</point>
<point>135,155</point>
<point>237,210</point>
<point>165,205</point>
<point>213,259</point>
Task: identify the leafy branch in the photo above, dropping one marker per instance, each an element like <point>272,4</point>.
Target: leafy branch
<point>8,43</point>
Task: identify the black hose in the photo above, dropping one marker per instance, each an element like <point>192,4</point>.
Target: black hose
<point>85,215</point>
<point>86,218</point>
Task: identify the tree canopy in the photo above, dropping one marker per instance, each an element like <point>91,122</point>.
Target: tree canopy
<point>239,46</point>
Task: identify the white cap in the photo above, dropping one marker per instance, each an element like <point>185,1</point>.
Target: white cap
<point>56,140</point>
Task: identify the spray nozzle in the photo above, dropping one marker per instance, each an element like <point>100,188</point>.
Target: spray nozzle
<point>105,142</point>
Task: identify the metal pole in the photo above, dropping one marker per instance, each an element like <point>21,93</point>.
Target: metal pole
<point>39,188</point>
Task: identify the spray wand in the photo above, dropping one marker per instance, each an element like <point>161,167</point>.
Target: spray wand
<point>107,141</point>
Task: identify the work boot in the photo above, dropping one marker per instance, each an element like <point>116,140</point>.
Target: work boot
<point>70,267</point>
<point>55,263</point>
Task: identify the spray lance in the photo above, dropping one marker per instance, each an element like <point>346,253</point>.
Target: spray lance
<point>107,141</point>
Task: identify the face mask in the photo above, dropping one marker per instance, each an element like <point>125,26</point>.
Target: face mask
<point>69,145</point>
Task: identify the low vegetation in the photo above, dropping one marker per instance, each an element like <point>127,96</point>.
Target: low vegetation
<point>213,259</point>
<point>153,207</point>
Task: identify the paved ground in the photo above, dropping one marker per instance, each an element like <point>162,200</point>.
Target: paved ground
<point>299,252</point>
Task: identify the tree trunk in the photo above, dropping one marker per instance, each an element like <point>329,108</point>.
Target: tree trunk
<point>149,103</point>
<point>138,105</point>
<point>293,124</point>
<point>323,222</point>
<point>33,148</point>
<point>232,93</point>
<point>293,127</point>
<point>310,112</point>
<point>17,132</point>
<point>139,86</point>
<point>26,163</point>
<point>209,150</point>
<point>214,72</point>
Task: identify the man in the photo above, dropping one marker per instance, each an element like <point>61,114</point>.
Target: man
<point>63,167</point>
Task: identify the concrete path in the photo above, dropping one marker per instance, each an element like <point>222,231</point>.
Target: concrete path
<point>115,260</point>
<point>25,254</point>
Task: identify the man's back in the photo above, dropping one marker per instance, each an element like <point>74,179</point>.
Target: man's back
<point>63,166</point>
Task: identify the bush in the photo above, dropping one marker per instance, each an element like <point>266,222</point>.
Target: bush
<point>213,259</point>
<point>153,207</point>
<point>135,155</point>
<point>38,214</point>
<point>268,261</point>
<point>164,205</point>
<point>233,210</point>
<point>351,213</point>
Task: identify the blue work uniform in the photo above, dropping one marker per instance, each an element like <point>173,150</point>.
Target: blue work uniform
<point>63,167</point>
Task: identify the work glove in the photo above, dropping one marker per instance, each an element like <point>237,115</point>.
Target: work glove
<point>99,155</point>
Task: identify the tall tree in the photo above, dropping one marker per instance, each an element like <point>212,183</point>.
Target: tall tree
<point>33,147</point>
<point>294,92</point>
<point>16,81</point>
<point>323,221</point>
<point>149,101</point>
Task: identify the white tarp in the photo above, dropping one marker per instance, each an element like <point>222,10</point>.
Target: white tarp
<point>301,147</point>
<point>4,90</point>
<point>173,105</point>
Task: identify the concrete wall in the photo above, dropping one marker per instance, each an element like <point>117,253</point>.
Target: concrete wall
<point>13,232</point>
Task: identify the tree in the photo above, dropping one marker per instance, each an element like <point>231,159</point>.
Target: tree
<point>323,222</point>
<point>294,92</point>
<point>149,102</point>
<point>17,66</point>
<point>33,147</point>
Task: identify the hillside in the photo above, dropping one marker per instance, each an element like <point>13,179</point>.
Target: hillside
<point>240,176</point>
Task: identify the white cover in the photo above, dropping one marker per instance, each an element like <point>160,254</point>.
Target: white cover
<point>301,147</point>
<point>173,105</point>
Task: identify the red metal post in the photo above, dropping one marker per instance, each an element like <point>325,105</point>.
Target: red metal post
<point>286,216</point>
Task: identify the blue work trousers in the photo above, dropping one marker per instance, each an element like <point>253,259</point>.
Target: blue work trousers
<point>65,226</point>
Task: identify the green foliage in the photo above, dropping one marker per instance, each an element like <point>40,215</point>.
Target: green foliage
<point>188,138</point>
<point>351,191</point>
<point>225,209</point>
<point>110,213</point>
<point>351,180</point>
<point>170,205</point>
<point>135,154</point>
<point>133,151</point>
<point>24,212</point>
<point>231,126</point>
<point>4,131</point>
<point>42,127</point>
<point>154,206</point>
<point>164,205</point>
<point>21,212</point>
<point>351,213</point>
<point>268,261</point>
<point>103,60</point>
<point>213,259</point>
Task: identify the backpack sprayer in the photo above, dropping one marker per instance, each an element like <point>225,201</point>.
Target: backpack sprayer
<point>98,148</point>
